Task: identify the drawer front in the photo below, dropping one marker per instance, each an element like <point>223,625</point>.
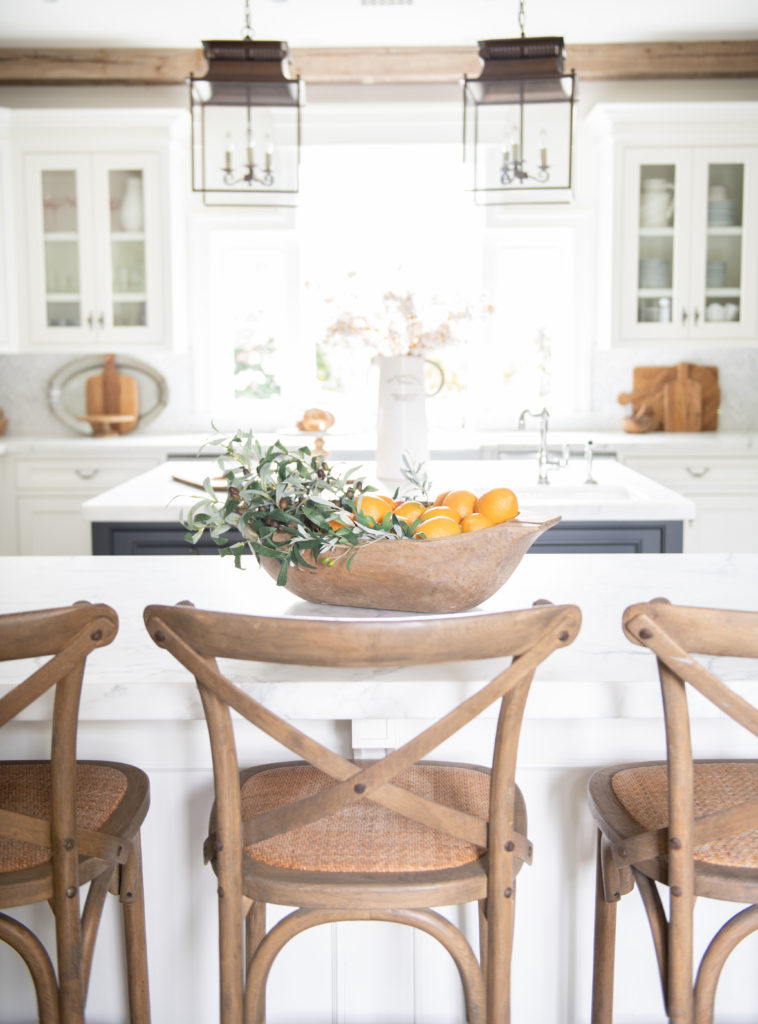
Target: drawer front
<point>82,474</point>
<point>693,475</point>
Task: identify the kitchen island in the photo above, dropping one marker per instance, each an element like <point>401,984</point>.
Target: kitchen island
<point>594,703</point>
<point>604,508</point>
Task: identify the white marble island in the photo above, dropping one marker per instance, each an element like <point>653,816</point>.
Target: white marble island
<point>593,703</point>
<point>621,510</point>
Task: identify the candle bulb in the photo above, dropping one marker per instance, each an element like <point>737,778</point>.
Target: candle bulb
<point>269,154</point>
<point>229,153</point>
<point>250,147</point>
<point>515,152</point>
<point>543,148</point>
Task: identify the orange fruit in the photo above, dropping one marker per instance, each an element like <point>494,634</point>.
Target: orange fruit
<point>476,521</point>
<point>461,501</point>
<point>409,511</point>
<point>437,526</point>
<point>390,501</point>
<point>441,510</point>
<point>373,507</point>
<point>441,497</point>
<point>337,524</point>
<point>499,504</point>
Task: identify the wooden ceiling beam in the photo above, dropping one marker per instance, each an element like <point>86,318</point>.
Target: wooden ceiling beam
<point>397,64</point>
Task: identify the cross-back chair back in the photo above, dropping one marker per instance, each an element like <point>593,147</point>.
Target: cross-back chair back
<point>388,839</point>
<point>65,823</point>
<point>689,824</point>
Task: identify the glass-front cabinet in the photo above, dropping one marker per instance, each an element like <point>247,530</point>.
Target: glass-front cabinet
<point>95,274</point>
<point>689,238</point>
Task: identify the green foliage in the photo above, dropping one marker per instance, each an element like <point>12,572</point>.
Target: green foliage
<point>416,476</point>
<point>279,504</point>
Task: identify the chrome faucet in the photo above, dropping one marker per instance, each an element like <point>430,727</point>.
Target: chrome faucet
<point>544,462</point>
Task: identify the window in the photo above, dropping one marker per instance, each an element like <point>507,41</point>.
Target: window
<point>383,208</point>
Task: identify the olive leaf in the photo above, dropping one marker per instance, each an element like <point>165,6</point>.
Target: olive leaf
<point>283,504</point>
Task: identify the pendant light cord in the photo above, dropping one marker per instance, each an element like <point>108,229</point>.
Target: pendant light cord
<point>247,30</point>
<point>522,18</point>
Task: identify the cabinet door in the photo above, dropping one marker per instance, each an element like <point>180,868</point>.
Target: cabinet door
<point>95,249</point>
<point>128,257</point>
<point>52,526</point>
<point>723,249</point>
<point>60,239</point>
<point>654,264</point>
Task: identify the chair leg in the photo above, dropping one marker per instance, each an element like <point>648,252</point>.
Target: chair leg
<point>93,909</point>
<point>133,910</point>
<point>255,930</point>
<point>483,935</point>
<point>605,945</point>
<point>501,915</point>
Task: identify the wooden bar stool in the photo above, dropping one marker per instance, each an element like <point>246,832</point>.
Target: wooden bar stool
<point>387,840</point>
<point>65,823</point>
<point>690,825</point>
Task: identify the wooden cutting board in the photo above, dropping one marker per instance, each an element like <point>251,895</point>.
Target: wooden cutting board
<point>112,400</point>
<point>682,401</point>
<point>648,389</point>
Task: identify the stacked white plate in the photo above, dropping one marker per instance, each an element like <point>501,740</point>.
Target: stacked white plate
<point>655,273</point>
<point>722,212</point>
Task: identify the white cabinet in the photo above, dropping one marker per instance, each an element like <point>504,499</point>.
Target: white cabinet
<point>689,237</point>
<point>678,231</point>
<point>724,489</point>
<point>99,231</point>
<point>48,496</point>
<point>95,249</point>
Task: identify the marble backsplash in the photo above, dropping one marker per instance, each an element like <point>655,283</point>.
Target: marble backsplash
<point>24,381</point>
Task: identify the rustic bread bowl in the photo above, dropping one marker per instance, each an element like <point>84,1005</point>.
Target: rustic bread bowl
<point>449,574</point>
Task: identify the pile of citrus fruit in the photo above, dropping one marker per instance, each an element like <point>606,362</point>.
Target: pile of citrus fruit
<point>452,512</point>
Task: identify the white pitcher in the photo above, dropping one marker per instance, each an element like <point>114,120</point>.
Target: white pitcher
<point>657,203</point>
<point>401,416</point>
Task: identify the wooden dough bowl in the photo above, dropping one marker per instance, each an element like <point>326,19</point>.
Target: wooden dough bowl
<point>448,574</point>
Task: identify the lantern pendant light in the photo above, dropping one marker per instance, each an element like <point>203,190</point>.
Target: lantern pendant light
<point>246,124</point>
<point>518,121</point>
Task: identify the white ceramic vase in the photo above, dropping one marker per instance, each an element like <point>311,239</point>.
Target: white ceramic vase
<point>401,418</point>
<point>131,205</point>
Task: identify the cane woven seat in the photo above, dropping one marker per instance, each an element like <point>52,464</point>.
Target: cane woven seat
<point>365,836</point>
<point>644,794</point>
<point>389,839</point>
<point>25,788</point>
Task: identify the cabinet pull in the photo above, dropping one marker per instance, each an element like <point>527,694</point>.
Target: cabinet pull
<point>86,474</point>
<point>684,316</point>
<point>101,320</point>
<point>697,316</point>
<point>697,473</point>
<point>90,321</point>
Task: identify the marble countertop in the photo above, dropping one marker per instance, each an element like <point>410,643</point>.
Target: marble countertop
<point>601,675</point>
<point>620,494</point>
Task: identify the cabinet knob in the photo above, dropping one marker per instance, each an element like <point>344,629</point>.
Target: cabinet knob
<point>697,315</point>
<point>87,474</point>
<point>697,473</point>
<point>101,320</point>
<point>685,316</point>
<point>90,321</point>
